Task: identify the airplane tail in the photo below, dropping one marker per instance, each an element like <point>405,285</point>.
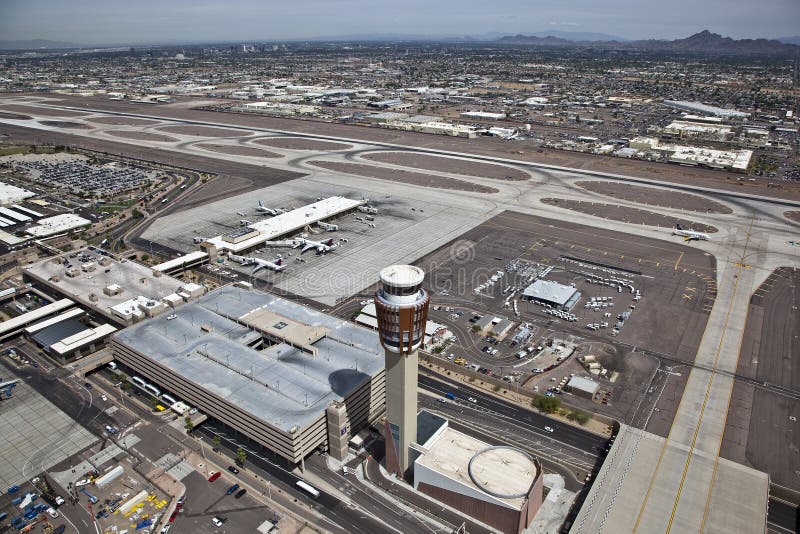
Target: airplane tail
<point>260,205</point>
<point>678,226</point>
<point>329,242</point>
<point>279,262</point>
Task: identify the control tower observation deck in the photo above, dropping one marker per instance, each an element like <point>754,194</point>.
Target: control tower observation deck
<point>401,306</point>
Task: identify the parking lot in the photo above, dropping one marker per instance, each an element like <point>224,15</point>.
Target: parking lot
<point>79,175</point>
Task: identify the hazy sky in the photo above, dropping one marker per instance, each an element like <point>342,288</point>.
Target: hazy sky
<point>143,21</point>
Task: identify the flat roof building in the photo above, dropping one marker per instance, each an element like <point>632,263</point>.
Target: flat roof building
<point>582,387</point>
<point>552,293</point>
<point>9,194</point>
<point>270,369</point>
<point>57,224</point>
<point>110,287</point>
<point>500,486</point>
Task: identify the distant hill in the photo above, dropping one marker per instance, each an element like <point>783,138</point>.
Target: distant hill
<point>703,42</point>
<point>33,44</point>
<point>790,40</point>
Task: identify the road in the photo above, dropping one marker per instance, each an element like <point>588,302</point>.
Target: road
<point>512,414</point>
<point>783,518</point>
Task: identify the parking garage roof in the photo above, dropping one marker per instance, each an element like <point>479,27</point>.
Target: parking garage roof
<point>283,385</point>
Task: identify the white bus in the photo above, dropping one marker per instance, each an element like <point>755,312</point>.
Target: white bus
<point>150,388</point>
<point>311,490</point>
<point>168,398</point>
<point>138,381</point>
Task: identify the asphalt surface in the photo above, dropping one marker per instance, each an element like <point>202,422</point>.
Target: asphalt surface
<point>783,518</point>
<point>343,518</point>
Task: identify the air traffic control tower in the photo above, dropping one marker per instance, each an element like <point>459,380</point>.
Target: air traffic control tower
<point>401,307</point>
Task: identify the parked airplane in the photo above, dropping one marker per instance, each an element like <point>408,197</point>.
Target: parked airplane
<point>241,214</point>
<point>321,247</point>
<point>244,260</point>
<point>245,222</point>
<point>272,265</point>
<point>269,211</point>
<point>689,235</point>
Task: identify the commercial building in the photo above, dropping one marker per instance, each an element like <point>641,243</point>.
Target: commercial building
<point>256,234</point>
<point>9,194</point>
<point>552,293</point>
<point>483,115</point>
<point>120,291</point>
<point>500,486</point>
<point>279,374</point>
<point>65,222</point>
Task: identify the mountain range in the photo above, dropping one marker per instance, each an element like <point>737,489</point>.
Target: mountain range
<point>702,42</point>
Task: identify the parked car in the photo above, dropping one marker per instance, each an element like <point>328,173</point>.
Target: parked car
<point>217,521</point>
<point>548,429</point>
<point>472,399</point>
<point>240,493</point>
<point>214,476</point>
<point>232,489</point>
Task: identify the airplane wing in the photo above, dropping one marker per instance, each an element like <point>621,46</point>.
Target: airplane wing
<point>307,247</point>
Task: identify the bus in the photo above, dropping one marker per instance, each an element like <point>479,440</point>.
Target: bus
<point>168,398</point>
<point>138,381</point>
<point>150,388</point>
<point>308,488</point>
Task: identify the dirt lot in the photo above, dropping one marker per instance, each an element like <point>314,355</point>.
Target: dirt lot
<point>626,214</point>
<point>406,177</point>
<point>298,143</point>
<point>451,165</point>
<point>238,150</point>
<point>655,197</point>
<point>15,116</point>
<point>122,121</point>
<point>202,131</point>
<point>792,215</point>
<point>66,124</point>
<point>517,150</point>
<point>141,136</point>
<point>761,429</point>
<point>46,112</point>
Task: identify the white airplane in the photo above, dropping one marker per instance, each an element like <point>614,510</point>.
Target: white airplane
<point>245,222</point>
<point>244,260</point>
<point>689,235</point>
<point>241,214</point>
<point>271,265</point>
<point>269,211</point>
<point>321,247</point>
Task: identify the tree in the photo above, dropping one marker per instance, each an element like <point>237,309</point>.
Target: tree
<point>217,440</point>
<point>580,416</point>
<point>476,328</point>
<point>241,457</point>
<point>154,401</point>
<point>546,404</point>
<point>188,425</point>
<point>126,386</point>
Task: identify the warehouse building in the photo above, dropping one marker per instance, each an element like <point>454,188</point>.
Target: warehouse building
<point>552,294</point>
<point>279,374</point>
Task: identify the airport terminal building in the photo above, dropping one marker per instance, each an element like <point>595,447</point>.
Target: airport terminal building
<point>282,375</point>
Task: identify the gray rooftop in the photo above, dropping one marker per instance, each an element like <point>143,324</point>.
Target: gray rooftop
<point>549,291</point>
<point>281,385</point>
